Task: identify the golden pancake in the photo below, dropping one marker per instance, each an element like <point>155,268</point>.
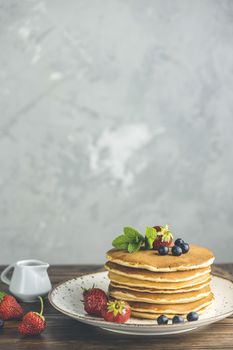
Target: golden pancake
<point>146,275</point>
<point>131,282</point>
<point>165,291</point>
<point>158,298</point>
<point>174,309</point>
<point>197,257</point>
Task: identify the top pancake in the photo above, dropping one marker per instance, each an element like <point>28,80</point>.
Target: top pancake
<point>197,257</point>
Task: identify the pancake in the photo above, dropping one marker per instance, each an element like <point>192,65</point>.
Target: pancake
<point>145,275</point>
<point>145,315</point>
<point>175,309</point>
<point>131,282</point>
<point>166,291</point>
<point>158,298</point>
<point>197,257</point>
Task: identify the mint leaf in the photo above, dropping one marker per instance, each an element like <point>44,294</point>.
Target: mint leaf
<point>131,240</point>
<point>120,242</point>
<point>131,234</point>
<point>141,238</point>
<point>134,246</point>
<point>151,235</point>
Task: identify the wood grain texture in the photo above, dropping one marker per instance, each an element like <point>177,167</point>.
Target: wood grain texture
<point>65,333</point>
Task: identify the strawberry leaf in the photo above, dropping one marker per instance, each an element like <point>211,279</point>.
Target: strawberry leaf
<point>166,237</point>
<point>2,294</point>
<point>166,234</point>
<point>116,307</point>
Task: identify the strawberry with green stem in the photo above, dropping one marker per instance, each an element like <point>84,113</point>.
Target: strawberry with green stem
<point>9,307</point>
<point>117,311</point>
<point>164,238</point>
<point>33,323</point>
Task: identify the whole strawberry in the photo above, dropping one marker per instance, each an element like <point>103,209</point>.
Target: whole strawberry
<point>117,311</point>
<point>9,307</point>
<point>33,323</point>
<point>95,300</point>
<point>164,237</point>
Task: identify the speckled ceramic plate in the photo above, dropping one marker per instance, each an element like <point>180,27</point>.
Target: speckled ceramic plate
<point>66,298</point>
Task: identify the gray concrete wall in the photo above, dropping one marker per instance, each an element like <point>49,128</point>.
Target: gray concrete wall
<point>114,113</point>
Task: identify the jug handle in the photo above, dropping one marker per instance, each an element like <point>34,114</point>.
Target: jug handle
<point>4,273</point>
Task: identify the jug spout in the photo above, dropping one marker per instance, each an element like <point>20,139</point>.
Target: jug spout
<point>43,266</point>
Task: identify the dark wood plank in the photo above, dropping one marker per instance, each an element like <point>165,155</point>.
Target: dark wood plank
<point>65,333</point>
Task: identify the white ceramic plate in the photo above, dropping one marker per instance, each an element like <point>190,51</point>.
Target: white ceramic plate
<point>67,297</point>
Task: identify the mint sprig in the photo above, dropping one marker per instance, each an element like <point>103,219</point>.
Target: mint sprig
<point>131,240</point>
<point>151,235</point>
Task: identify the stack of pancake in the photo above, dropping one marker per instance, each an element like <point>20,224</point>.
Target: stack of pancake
<point>153,284</point>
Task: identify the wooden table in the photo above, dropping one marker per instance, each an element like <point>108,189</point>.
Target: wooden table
<point>65,333</point>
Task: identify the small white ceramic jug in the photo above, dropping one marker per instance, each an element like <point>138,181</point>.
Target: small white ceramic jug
<point>29,279</point>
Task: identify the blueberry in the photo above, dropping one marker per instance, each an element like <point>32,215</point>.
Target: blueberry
<point>177,251</point>
<point>192,316</point>
<point>184,247</point>
<point>1,323</point>
<point>163,250</point>
<point>179,241</point>
<point>177,319</point>
<point>162,319</point>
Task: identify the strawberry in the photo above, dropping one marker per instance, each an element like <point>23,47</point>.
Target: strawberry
<point>95,299</point>
<point>164,237</point>
<point>33,323</point>
<point>9,307</point>
<point>117,311</point>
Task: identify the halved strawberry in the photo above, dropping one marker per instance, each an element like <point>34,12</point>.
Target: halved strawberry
<point>164,237</point>
<point>158,228</point>
<point>117,311</point>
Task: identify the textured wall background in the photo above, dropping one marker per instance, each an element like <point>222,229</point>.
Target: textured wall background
<point>114,113</point>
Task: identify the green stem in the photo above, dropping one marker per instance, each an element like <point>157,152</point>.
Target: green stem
<point>2,294</point>
<point>42,306</point>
